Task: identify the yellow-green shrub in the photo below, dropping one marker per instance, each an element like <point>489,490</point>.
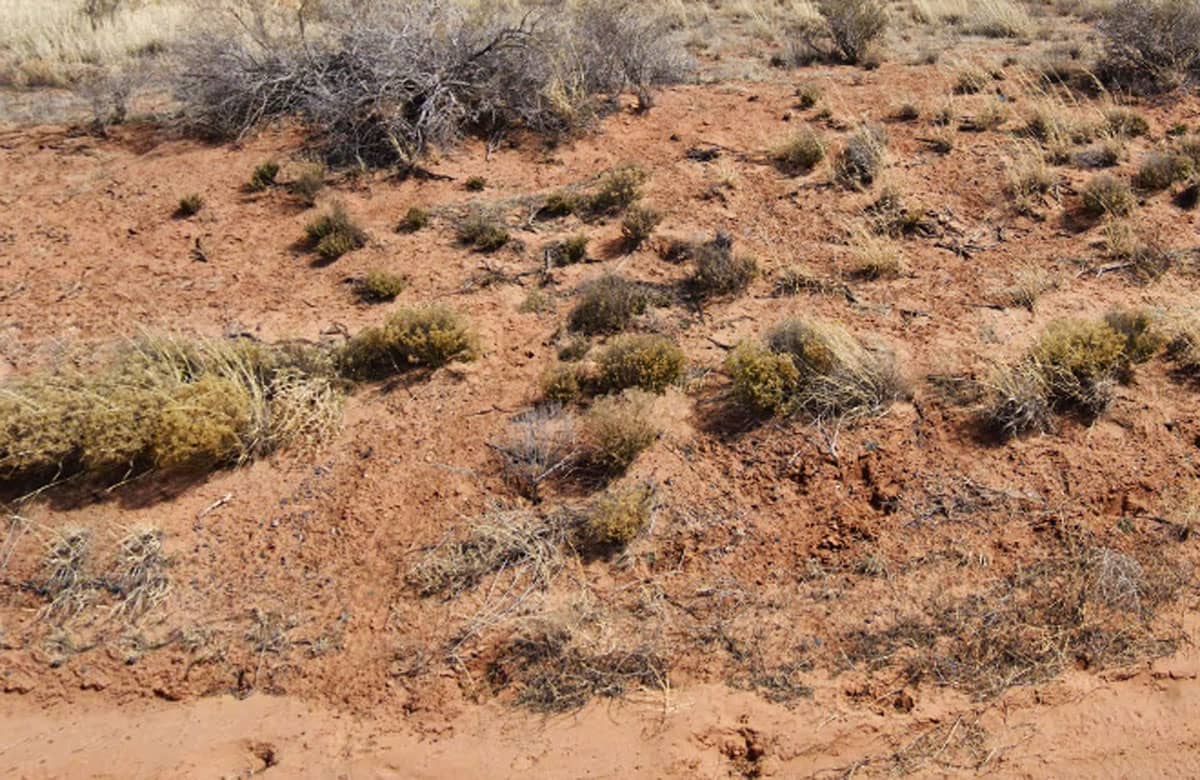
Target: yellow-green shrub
<point>762,380</point>
<point>428,336</point>
<point>644,361</point>
<point>618,428</point>
<point>617,517</point>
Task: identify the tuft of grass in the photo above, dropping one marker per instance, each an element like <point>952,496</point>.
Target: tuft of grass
<point>139,575</point>
<point>618,428</point>
<point>1019,401</point>
<point>1030,182</point>
<point>483,231</point>
<point>1184,348</point>
<point>165,402</point>
<point>639,224</point>
<point>617,190</point>
<point>475,184</point>
<point>309,183</point>
<point>424,336</point>
<point>569,251</point>
<point>831,373</point>
<point>891,215</point>
<point>608,305</point>
<point>718,270</point>
<point>1160,170</point>
<point>855,28</point>
<point>649,362</point>
<point>189,206</point>
<point>971,80</point>
<point>1139,327</point>
<point>1107,195</point>
<point>1126,122</point>
<point>800,153</point>
<point>1146,259</point>
<point>379,286</point>
<point>263,177</point>
<point>334,234</point>
<point>65,578</point>
<point>861,158</point>
<point>616,518</point>
<point>414,219</point>
<point>875,257</point>
<point>808,95</point>
<point>1029,282</point>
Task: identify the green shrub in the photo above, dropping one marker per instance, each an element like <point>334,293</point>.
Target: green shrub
<point>718,270</point>
<point>264,176</point>
<point>484,232</point>
<point>1126,122</point>
<point>801,153</point>
<point>638,225</point>
<point>1143,339</point>
<point>561,384</point>
<point>428,336</point>
<point>618,189</point>
<point>859,162</point>
<point>189,206</point>
<point>649,362</point>
<point>569,251</point>
<point>618,428</point>
<point>1160,170</point>
<point>1106,194</point>
<point>1080,360</point>
<point>334,234</point>
<point>475,184</point>
<point>414,219</point>
<point>380,286</point>
<point>617,517</point>
<point>608,305</point>
<point>561,204</point>
<point>762,380</point>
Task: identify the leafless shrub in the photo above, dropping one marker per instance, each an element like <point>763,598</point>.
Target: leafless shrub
<point>65,579</point>
<point>388,81</point>
<point>139,576</point>
<point>542,444</point>
<point>1151,45</point>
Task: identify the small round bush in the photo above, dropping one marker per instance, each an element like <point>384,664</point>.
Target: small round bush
<point>618,428</point>
<point>1106,194</point>
<point>380,286</point>
<point>560,384</point>
<point>189,206</point>
<point>1143,339</point>
<point>638,225</point>
<point>427,336</point>
<point>649,362</point>
<point>617,517</point>
<point>608,305</point>
<point>859,162</point>
<point>719,271</point>
<point>762,380</point>
<point>414,219</point>
<point>1159,171</point>
<point>801,153</point>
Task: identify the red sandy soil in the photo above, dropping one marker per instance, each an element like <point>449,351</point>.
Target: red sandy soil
<point>319,542</point>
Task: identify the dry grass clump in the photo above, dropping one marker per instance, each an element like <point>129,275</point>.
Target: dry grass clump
<point>617,190</point>
<point>413,220</point>
<point>1107,195</point>
<point>1073,366</point>
<point>554,672</point>
<point>1029,282</point>
<point>608,305</point>
<point>541,445</point>
<point>616,518</point>
<point>189,206</point>
<point>334,234</point>
<point>801,153</point>
<point>814,368</point>
<point>569,251</point>
<point>308,183</point>
<point>799,278</point>
<point>875,257</point>
<point>497,541</point>
<point>263,177</point>
<point>1160,170</point>
<point>718,270</point>
<point>1126,122</point>
<point>649,362</point>
<point>379,286</point>
<point>971,80</point>
<point>638,225</point>
<point>988,18</point>
<point>165,402</point>
<point>139,575</point>
<point>861,158</point>
<point>1145,258</point>
<point>1030,182</point>
<point>483,231</point>
<point>808,95</point>
<point>424,336</point>
<point>618,428</point>
<point>1151,45</point>
<point>1184,348</point>
<point>891,215</point>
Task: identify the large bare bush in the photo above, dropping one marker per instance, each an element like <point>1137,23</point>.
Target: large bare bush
<point>1152,45</point>
<point>378,86</point>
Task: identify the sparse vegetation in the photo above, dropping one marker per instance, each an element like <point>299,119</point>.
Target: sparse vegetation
<point>189,206</point>
<point>875,257</point>
<point>618,428</point>
<point>1151,45</point>
<point>1107,195</point>
<point>414,219</point>
<point>425,337</point>
<point>483,231</point>
<point>475,184</point>
<point>379,286</point>
<point>801,153</point>
<point>263,177</point>
<point>718,270</point>
<point>334,234</point>
<point>831,373</point>
<point>617,517</point>
<point>561,384</point>
<point>861,158</point>
<point>649,362</point>
<point>638,225</point>
<point>569,251</point>
<point>617,190</point>
<point>308,183</point>
<point>853,28</point>
<point>608,305</point>
<point>1160,170</point>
